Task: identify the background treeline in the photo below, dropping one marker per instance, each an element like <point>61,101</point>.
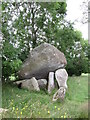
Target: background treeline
<point>26,25</point>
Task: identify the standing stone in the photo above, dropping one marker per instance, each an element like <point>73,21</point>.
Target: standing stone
<point>51,82</point>
<point>30,84</point>
<point>61,76</point>
<point>42,60</point>
<point>42,83</point>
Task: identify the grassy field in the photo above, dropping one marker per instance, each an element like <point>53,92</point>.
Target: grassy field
<point>25,104</point>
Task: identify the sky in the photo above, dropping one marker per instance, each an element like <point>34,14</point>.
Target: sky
<point>74,12</point>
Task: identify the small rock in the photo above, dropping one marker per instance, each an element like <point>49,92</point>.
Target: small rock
<point>30,84</point>
<point>60,94</point>
<point>42,83</point>
<point>3,110</point>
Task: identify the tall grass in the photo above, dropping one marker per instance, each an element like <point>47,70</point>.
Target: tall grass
<point>22,103</point>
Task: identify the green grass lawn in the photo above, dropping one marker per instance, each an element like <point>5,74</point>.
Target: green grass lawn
<point>25,104</point>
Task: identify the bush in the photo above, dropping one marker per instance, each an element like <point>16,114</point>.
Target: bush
<point>10,67</point>
<point>77,66</point>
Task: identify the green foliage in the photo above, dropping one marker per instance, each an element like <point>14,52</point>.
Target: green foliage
<point>30,104</point>
<point>75,48</point>
<point>10,67</point>
<point>27,25</point>
<point>77,64</point>
<point>23,30</point>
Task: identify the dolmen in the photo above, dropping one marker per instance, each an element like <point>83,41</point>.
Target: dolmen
<point>43,65</point>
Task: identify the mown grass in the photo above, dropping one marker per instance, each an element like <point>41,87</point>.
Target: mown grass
<point>22,103</point>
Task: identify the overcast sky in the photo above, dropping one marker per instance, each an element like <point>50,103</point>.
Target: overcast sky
<point>74,12</point>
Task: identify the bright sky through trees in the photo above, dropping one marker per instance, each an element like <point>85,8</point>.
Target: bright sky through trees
<point>75,14</point>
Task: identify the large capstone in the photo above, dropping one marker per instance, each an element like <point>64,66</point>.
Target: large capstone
<point>42,60</point>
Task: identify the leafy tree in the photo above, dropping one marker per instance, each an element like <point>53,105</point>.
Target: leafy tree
<point>78,62</point>
<point>24,26</point>
<point>10,52</point>
<point>75,48</point>
<point>85,7</point>
<point>86,50</point>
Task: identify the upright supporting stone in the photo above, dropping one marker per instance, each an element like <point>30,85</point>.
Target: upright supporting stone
<point>51,82</point>
<point>61,76</point>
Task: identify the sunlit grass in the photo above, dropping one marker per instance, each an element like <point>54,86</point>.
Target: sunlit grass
<point>85,74</point>
<point>22,103</point>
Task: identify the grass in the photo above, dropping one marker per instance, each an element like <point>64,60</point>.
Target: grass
<point>22,103</point>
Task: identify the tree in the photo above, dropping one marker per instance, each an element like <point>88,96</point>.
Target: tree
<point>24,26</point>
<point>78,60</point>
<point>71,43</point>
<point>85,7</point>
<point>10,61</point>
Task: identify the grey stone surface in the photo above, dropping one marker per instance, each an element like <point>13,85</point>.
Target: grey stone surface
<point>42,60</point>
<point>42,83</point>
<point>30,84</point>
<point>3,110</point>
<point>60,94</point>
<point>61,76</point>
<point>50,82</point>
